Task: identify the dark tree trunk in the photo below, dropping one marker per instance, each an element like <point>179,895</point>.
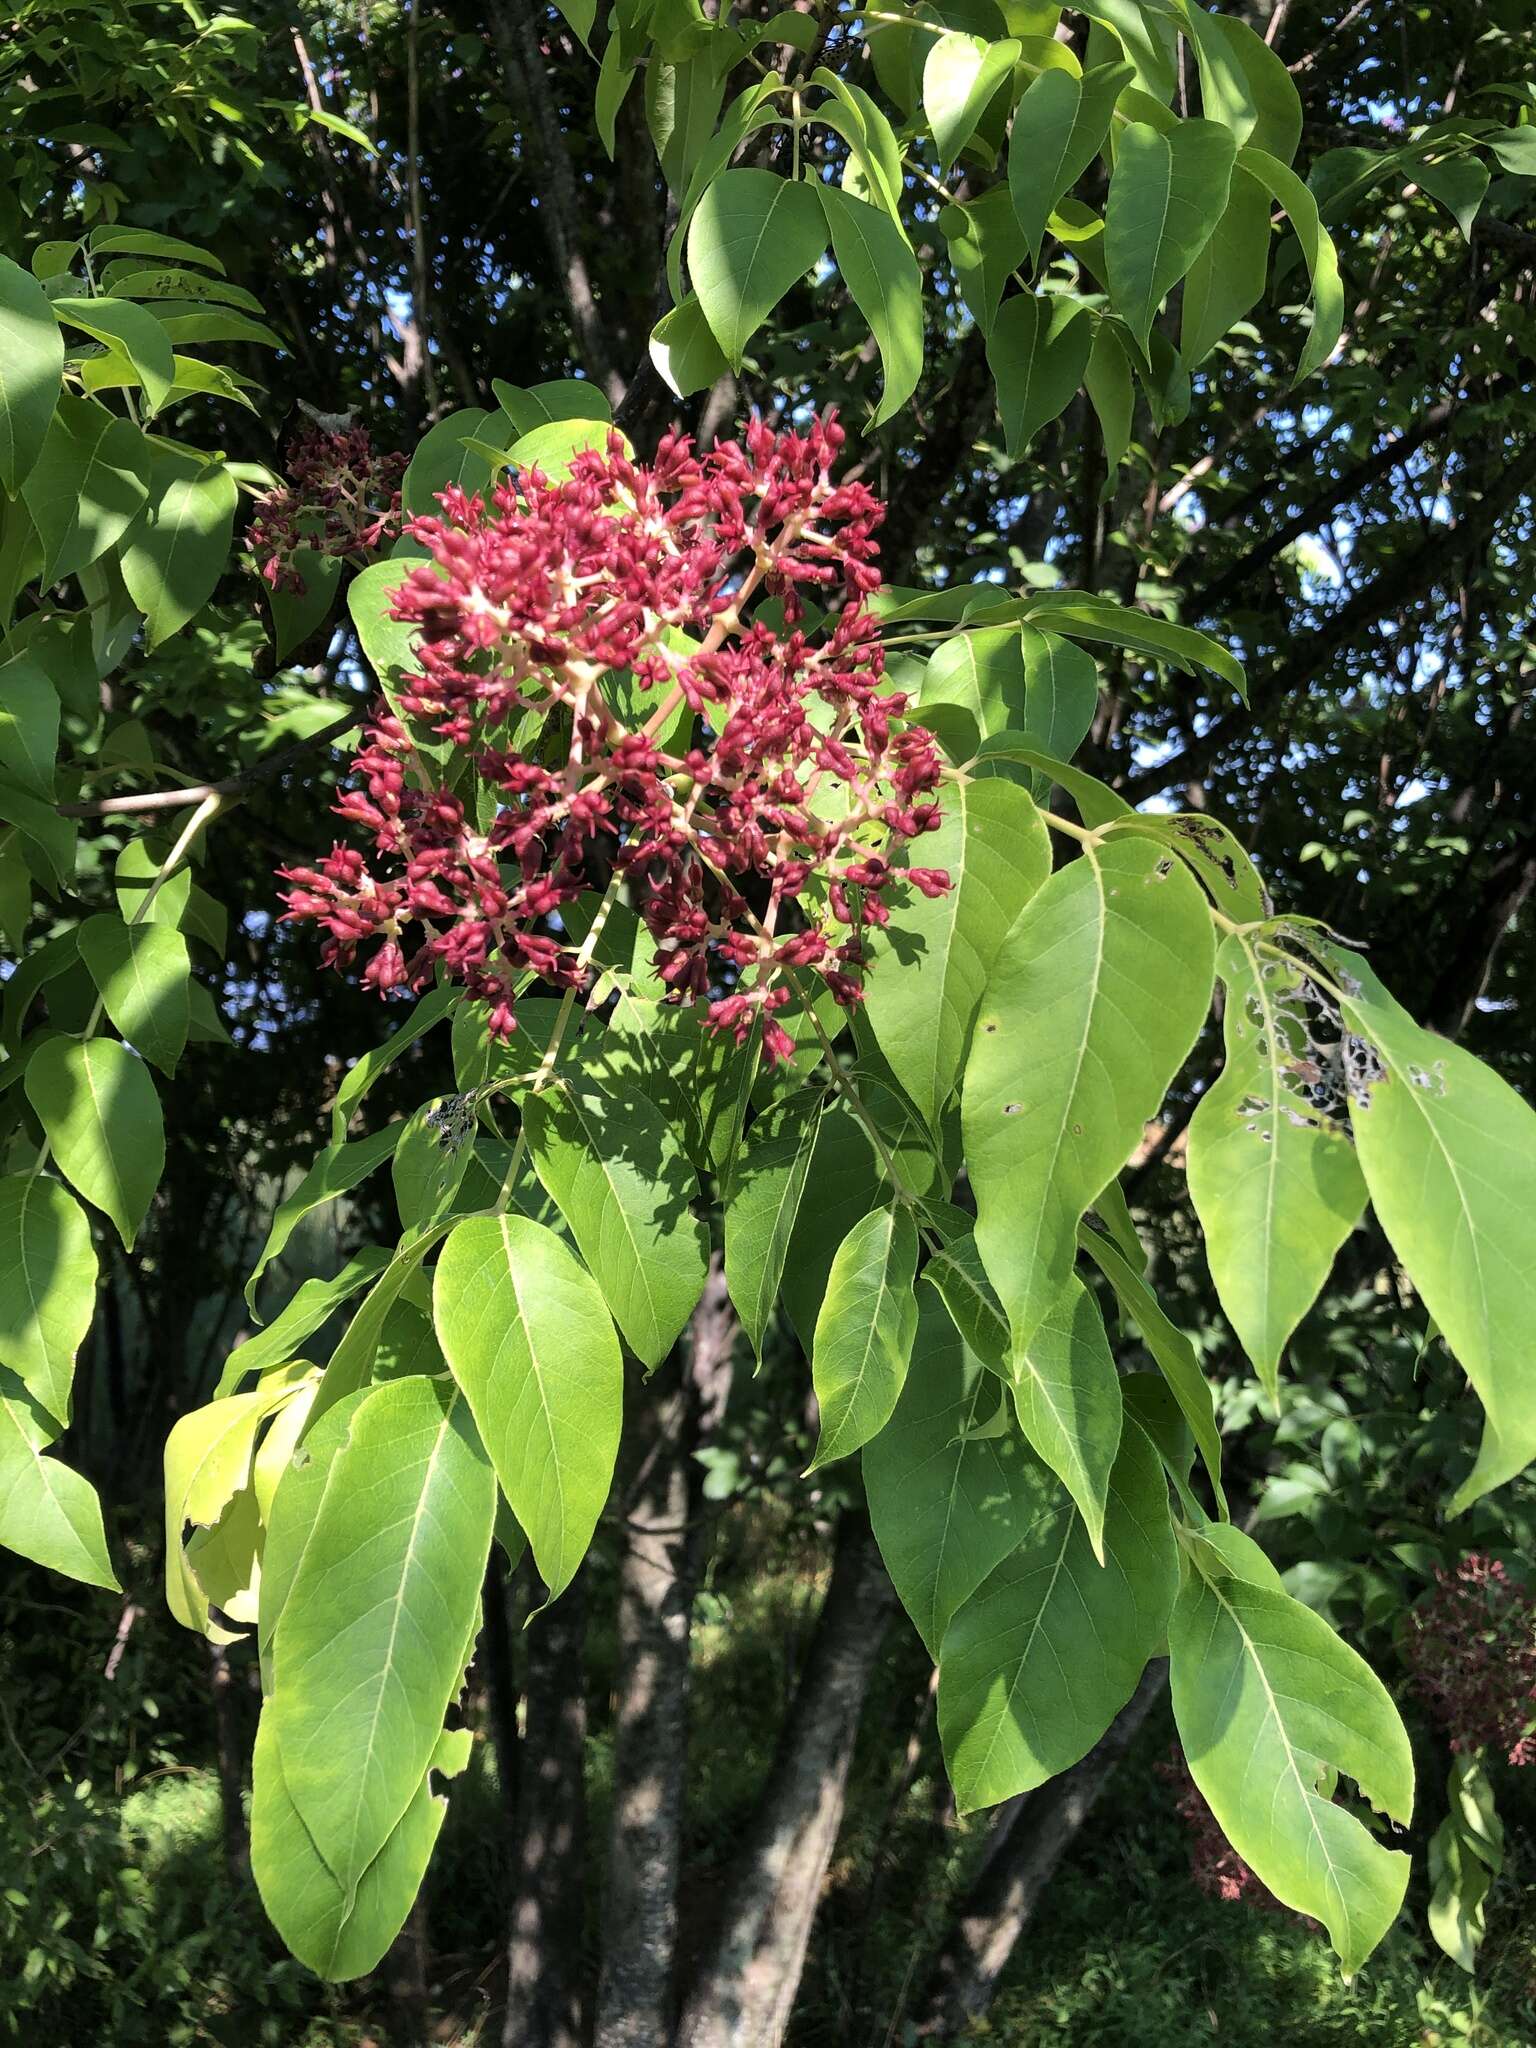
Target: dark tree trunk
<point>1029,1841</point>
<point>545,1992</point>
<point>745,1985</point>
<point>230,1753</point>
<point>657,1578</point>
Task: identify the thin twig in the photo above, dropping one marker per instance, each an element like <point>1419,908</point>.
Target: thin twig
<point>232,788</point>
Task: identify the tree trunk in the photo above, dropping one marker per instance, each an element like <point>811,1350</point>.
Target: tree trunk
<point>657,1579</point>
<point>1030,1840</point>
<point>230,1755</point>
<point>745,1985</point>
<point>545,1995</point>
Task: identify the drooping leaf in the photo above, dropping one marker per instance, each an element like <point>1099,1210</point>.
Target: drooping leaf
<point>47,1512</point>
<point>88,485</point>
<point>882,275</point>
<point>527,1336</point>
<point>369,1646</point>
<point>623,1184</point>
<point>338,1168</point>
<point>29,727</point>
<point>960,75</point>
<point>179,546</point>
<point>947,1504</point>
<point>1226,280</point>
<point>1058,129</point>
<point>1165,197</point>
<point>1274,1181</point>
<point>842,1184</point>
<point>31,367</point>
<point>47,1287</point>
<point>1448,1150</point>
<point>1039,1660</point>
<point>1267,1699</point>
<point>764,1204</point>
<point>336,1937</point>
<point>864,1332</point>
<point>1014,679</point>
<point>752,236</point>
<point>208,1459</point>
<point>686,355</point>
<point>144,975</point>
<point>102,1117</point>
<point>986,246</point>
<point>1171,1349</point>
<point>1244,84</point>
<point>442,458</point>
<point>1037,352</point>
<point>1094,1002</point>
<point>929,967</point>
<point>1317,249</point>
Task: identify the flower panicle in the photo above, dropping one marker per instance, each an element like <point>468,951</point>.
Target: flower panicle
<point>754,793</point>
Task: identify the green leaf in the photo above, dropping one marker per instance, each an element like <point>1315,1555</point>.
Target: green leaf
<point>47,1287</point>
<point>129,279</point>
<point>29,726</point>
<point>369,1647</point>
<point>47,1512</point>
<point>1067,1393</point>
<point>1172,1350</point>
<point>751,238</point>
<point>960,76</point>
<point>1226,280</point>
<point>126,241</point>
<point>177,904</point>
<point>436,1004</point>
<point>1095,1000</point>
<point>1274,1182</point>
<point>882,274</point>
<point>1165,198</point>
<point>1460,183</point>
<point>621,1181</point>
<point>525,1331</point>
<point>102,1117</point>
<point>763,1206</point>
<point>682,105</point>
<point>1448,1150</point>
<point>136,332</point>
<point>1466,1854</point>
<point>428,1166</point>
<point>313,1304</point>
<point>1317,249</point>
<point>1215,857</point>
<point>1112,394</point>
<point>1014,679</point>
<point>1082,616</point>
<point>929,966</point>
<point>1058,129</point>
<point>338,1168</point>
<point>1244,84</point>
<point>985,246</point>
<point>1037,353</point>
<point>334,1937</point>
<point>87,487</point>
<point>441,459</point>
<point>389,644</point>
<point>686,355</point>
<point>144,975</point>
<point>53,838</point>
<point>31,367</point>
<point>194,325</point>
<point>864,1332</point>
<point>297,614</point>
<point>208,1460</point>
<point>1267,1699</point>
<point>947,1504</point>
<point>1038,1662</point>
<point>746,112</point>
<point>535,405</point>
<point>178,549</point>
<point>842,1184</point>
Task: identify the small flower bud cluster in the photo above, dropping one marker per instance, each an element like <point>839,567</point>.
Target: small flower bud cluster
<point>341,499</point>
<point>752,801</point>
<point>1470,1648</point>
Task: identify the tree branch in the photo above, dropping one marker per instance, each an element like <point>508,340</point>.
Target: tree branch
<point>233,787</point>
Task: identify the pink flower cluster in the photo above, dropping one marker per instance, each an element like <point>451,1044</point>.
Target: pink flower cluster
<point>752,792</point>
<point>1470,1648</point>
<point>341,499</point>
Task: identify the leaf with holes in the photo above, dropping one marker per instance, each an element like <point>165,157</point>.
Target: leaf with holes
<point>1274,1180</point>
